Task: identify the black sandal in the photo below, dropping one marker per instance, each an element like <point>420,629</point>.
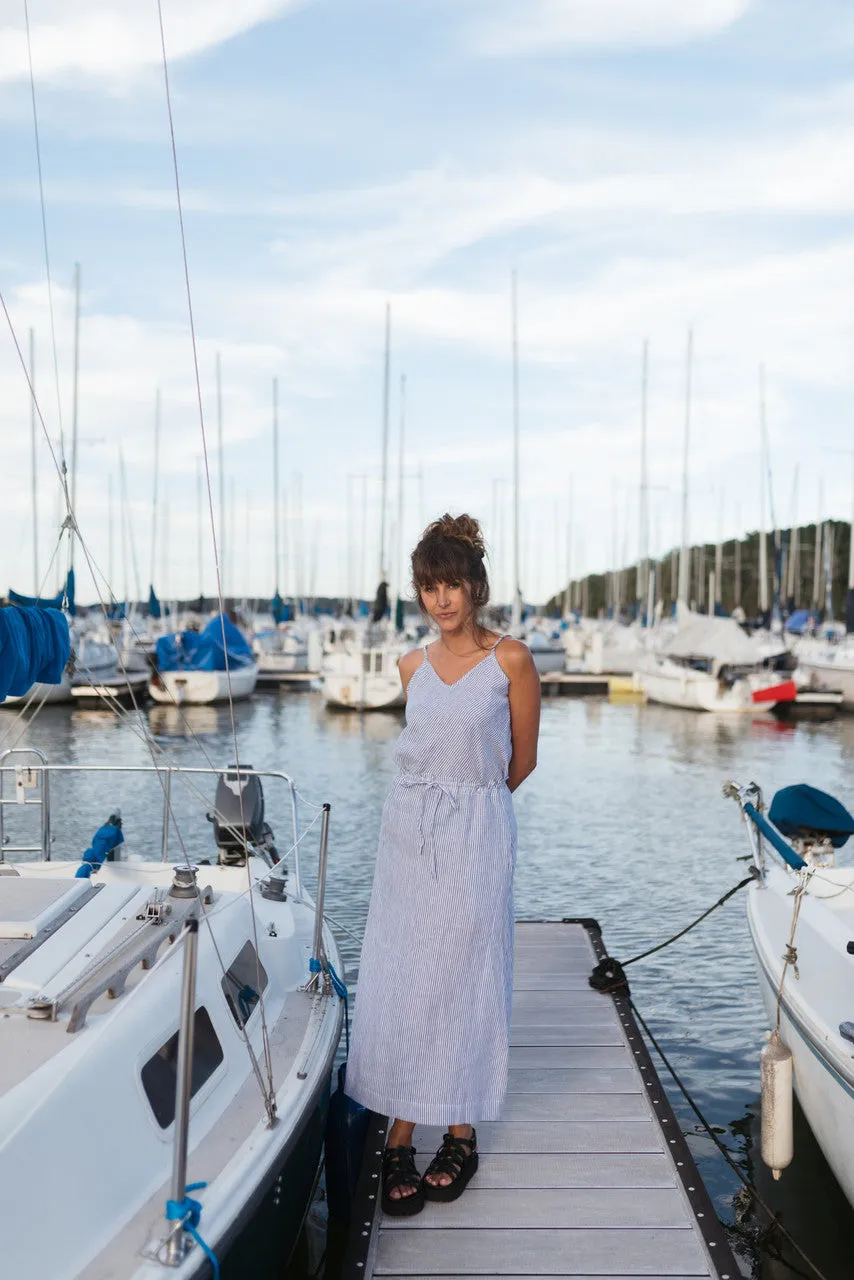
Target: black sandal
<point>399,1171</point>
<point>457,1157</point>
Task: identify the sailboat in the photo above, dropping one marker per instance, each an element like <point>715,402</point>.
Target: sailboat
<point>211,665</point>
<point>360,666</point>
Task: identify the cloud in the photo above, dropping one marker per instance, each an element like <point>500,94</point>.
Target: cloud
<point>110,40</point>
<point>538,26</point>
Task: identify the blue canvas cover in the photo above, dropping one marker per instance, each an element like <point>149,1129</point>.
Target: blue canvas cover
<point>153,604</point>
<point>65,599</point>
<point>799,809</point>
<point>34,647</point>
<point>202,650</point>
<point>798,621</point>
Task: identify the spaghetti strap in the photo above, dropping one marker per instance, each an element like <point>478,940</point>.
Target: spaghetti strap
<point>498,641</point>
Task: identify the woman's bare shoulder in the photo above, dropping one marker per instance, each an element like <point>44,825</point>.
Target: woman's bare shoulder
<point>514,657</point>
<point>411,661</point>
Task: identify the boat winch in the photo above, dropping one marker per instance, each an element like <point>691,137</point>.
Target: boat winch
<point>238,818</point>
<point>775,1071</point>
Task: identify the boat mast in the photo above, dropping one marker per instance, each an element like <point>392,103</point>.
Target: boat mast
<point>74,390</point>
<point>400,497</point>
<point>567,595</point>
<point>221,475</point>
<point>516,614</point>
<point>110,537</point>
<point>199,527</point>
<point>794,550</point>
<point>386,415</point>
<point>719,557</point>
<point>816,576</point>
<point>276,537</point>
<point>763,541</point>
<point>156,483</point>
<point>849,598</point>
<point>684,563</point>
<point>643,512</point>
<point>33,464</point>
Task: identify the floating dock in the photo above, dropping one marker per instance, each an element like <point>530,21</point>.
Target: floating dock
<point>121,690</point>
<point>581,684</point>
<point>587,1174</point>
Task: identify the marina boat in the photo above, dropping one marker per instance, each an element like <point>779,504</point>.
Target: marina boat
<point>800,912</point>
<point>832,664</point>
<point>279,652</point>
<point>547,649</point>
<point>711,665</point>
<point>194,667</point>
<point>359,668</point>
<point>167,1035</point>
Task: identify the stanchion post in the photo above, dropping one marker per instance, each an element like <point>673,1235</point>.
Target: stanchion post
<point>183,1088</point>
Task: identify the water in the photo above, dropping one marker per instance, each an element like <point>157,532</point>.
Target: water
<point>623,820</point>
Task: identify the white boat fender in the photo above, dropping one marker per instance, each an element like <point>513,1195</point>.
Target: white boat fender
<point>775,1069</point>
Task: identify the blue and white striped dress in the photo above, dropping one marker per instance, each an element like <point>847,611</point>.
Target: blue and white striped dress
<point>429,1042</point>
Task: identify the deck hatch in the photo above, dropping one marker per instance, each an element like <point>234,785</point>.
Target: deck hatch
<point>160,1071</point>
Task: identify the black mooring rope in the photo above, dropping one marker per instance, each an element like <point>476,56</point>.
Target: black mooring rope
<point>608,974</point>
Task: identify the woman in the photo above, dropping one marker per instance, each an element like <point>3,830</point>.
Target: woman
<point>429,1043</point>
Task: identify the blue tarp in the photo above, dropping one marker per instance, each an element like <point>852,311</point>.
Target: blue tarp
<point>34,647</point>
<point>800,809</point>
<point>797,622</point>
<point>202,650</point>
<point>65,599</point>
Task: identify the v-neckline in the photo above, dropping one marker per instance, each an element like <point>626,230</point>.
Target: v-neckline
<point>459,679</point>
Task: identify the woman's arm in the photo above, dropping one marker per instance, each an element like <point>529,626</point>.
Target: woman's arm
<point>524,695</point>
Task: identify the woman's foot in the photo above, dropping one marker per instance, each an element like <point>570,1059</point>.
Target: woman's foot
<point>402,1190</point>
<point>400,1136</point>
<point>454,1165</point>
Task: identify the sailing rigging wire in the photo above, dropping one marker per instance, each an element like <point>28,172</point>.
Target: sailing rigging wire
<point>271,1099</point>
<point>45,238</point>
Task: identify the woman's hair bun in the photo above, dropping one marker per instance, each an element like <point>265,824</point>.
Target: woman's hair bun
<point>462,528</point>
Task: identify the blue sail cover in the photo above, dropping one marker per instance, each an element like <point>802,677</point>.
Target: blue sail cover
<point>153,604</point>
<point>65,599</point>
<point>202,650</point>
<point>799,809</point>
<point>34,647</point>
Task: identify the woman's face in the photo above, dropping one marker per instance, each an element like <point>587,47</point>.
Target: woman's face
<point>448,604</point>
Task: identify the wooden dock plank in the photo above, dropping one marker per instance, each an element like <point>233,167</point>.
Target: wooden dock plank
<point>533,1033</point>
<point>569,1137</point>
<point>574,1080</point>
<point>526,1107</point>
<point>559,1251</point>
<point>592,1170</point>
<point>584,1207</point>
<point>544,1058</point>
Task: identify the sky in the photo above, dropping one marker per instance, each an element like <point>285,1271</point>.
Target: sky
<point>645,167</point>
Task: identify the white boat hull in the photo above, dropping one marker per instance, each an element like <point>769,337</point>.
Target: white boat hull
<point>363,691</point>
<point>834,671</point>
<point>55,1149</point>
<point>673,685</point>
<point>43,694</point>
<point>815,1003</point>
<point>548,660</point>
<point>179,688</point>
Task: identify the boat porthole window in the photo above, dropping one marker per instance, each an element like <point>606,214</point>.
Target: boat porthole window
<point>159,1074</point>
<point>243,983</point>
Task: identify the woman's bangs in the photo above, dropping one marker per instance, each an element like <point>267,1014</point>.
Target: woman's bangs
<point>445,562</point>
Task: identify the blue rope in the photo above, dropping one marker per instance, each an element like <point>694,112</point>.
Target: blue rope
<point>340,990</point>
<point>189,1213</point>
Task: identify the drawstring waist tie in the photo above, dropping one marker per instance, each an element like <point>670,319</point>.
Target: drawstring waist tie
<point>432,792</point>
